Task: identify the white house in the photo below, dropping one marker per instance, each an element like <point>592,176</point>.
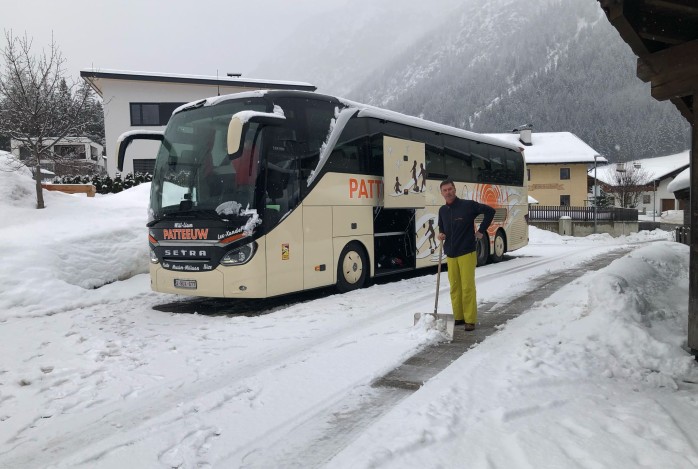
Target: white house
<point>78,149</point>
<point>658,173</point>
<point>144,100</point>
<point>556,165</point>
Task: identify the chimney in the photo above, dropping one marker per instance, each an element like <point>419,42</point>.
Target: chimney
<point>525,134</point>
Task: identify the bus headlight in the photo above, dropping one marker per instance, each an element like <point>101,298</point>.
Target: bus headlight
<point>240,255</point>
<point>153,257</point>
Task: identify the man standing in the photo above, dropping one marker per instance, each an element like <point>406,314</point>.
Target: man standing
<point>457,230</point>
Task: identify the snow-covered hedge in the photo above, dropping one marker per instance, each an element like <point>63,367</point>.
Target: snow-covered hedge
<point>105,184</point>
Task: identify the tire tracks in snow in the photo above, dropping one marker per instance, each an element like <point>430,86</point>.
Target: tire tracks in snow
<point>317,438</point>
<point>100,429</point>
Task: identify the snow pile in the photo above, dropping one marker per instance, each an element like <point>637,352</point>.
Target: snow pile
<point>17,191</point>
<point>53,257</point>
<point>597,372</point>
<point>539,236</point>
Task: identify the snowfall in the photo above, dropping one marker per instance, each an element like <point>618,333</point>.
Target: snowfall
<point>597,375</point>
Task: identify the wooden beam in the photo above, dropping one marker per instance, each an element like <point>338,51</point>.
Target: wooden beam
<point>614,10</point>
<point>685,7</point>
<point>676,86</point>
<point>684,108</point>
<point>663,38</point>
<point>693,253</point>
<point>682,56</point>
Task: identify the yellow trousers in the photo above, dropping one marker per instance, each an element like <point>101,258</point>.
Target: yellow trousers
<point>461,276</point>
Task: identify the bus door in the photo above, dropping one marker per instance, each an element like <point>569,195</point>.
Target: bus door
<point>283,224</point>
<point>404,180</point>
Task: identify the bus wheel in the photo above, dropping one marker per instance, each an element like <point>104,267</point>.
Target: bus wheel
<point>483,250</point>
<point>352,269</point>
<point>500,247</point>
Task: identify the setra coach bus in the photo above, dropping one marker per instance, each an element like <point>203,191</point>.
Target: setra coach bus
<point>264,193</point>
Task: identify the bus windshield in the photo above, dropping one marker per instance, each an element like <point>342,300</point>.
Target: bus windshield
<point>193,172</point>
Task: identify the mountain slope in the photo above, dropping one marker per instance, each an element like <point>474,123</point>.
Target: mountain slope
<point>557,64</point>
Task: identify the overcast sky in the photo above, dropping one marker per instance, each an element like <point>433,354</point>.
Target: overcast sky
<point>192,37</point>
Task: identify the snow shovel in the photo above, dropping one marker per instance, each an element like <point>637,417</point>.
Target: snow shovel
<point>445,319</point>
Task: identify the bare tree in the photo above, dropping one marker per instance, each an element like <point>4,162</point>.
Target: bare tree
<point>38,106</point>
<point>628,183</point>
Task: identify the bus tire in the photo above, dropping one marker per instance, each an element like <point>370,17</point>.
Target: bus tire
<point>482,249</point>
<point>499,248</point>
<point>352,268</point>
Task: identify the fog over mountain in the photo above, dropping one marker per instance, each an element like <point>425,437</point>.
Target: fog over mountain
<point>489,67</point>
<point>338,49</point>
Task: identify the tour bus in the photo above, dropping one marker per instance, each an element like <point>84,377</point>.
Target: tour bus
<point>264,193</point>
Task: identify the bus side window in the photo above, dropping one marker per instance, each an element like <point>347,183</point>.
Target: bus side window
<point>481,164</point>
<point>498,165</point>
<point>318,120</point>
<point>458,161</point>
<point>375,160</point>
<point>350,154</point>
<point>515,168</point>
<point>433,151</point>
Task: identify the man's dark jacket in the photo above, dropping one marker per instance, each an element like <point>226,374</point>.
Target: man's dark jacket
<point>457,222</point>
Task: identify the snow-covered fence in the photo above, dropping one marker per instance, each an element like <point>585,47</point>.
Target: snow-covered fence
<point>613,220</point>
<point>682,234</point>
<point>606,214</point>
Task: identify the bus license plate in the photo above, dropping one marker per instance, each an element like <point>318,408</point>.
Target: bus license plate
<point>181,283</point>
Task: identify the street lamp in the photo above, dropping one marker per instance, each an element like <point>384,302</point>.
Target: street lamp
<point>596,191</point>
<point>620,168</point>
<point>654,198</point>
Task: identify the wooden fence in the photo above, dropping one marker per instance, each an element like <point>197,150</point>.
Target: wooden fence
<point>605,214</point>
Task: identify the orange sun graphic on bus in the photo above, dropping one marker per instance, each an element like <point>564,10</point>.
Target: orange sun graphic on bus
<point>488,194</point>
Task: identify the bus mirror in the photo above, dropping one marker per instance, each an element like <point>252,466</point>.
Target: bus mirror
<point>126,138</point>
<point>239,121</point>
<point>234,135</point>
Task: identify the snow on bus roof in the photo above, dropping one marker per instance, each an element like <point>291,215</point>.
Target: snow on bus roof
<point>366,110</point>
<point>219,99</point>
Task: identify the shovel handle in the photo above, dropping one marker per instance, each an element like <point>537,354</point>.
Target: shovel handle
<point>438,277</point>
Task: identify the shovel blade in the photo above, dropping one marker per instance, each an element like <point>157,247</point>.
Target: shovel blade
<point>442,320</point>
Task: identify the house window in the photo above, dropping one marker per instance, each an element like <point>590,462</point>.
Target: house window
<point>70,151</point>
<point>528,174</point>
<point>24,153</point>
<point>565,200</point>
<point>646,199</point>
<point>144,166</point>
<point>143,114</point>
<point>564,173</point>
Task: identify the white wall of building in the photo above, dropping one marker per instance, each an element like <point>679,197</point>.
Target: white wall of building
<point>117,96</point>
<point>657,196</point>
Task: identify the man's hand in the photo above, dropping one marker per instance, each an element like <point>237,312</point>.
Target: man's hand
<point>478,235</point>
<point>441,236</point>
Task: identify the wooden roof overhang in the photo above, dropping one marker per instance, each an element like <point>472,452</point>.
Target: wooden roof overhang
<point>664,36</point>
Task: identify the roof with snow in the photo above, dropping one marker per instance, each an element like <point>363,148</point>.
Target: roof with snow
<point>93,77</point>
<point>553,147</point>
<point>681,181</point>
<point>655,169</point>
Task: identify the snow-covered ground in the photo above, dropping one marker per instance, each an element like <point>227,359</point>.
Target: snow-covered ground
<point>92,376</point>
